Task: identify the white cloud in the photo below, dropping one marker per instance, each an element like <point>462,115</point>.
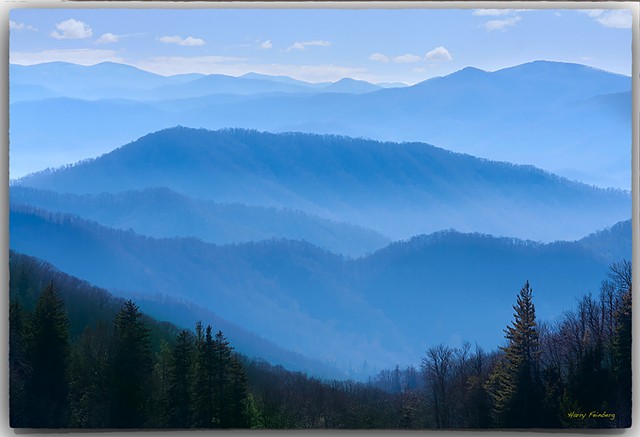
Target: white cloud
<point>593,13</point>
<point>618,19</point>
<point>407,58</point>
<point>20,26</point>
<point>304,44</point>
<point>438,54</point>
<point>71,29</point>
<point>493,12</point>
<point>188,41</point>
<point>266,45</point>
<point>492,25</point>
<point>379,57</point>
<point>108,38</point>
<point>75,56</point>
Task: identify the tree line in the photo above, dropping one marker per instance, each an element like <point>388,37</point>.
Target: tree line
<point>81,359</point>
<point>109,377</point>
<point>573,373</point>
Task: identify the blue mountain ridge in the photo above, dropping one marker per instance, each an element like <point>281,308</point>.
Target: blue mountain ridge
<point>384,308</point>
<point>182,313</point>
<point>536,113</point>
<point>396,189</point>
<point>162,213</point>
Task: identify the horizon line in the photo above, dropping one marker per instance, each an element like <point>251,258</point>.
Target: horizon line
<point>318,82</point>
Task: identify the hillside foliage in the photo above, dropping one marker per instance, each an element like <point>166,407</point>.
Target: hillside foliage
<point>80,358</point>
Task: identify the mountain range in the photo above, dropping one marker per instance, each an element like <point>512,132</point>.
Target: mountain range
<point>108,80</point>
<point>274,231</point>
<point>349,245</point>
<point>384,308</point>
<point>162,213</point>
<point>397,190</point>
<point>569,119</point>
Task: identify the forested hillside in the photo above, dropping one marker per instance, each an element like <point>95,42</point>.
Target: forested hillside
<point>246,218</point>
<point>162,213</point>
<point>569,119</point>
<point>267,287</point>
<point>80,358</point>
<point>396,189</point>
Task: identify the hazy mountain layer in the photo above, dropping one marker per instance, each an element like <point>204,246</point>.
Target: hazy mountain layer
<point>164,213</point>
<point>88,304</point>
<point>397,190</point>
<point>570,119</point>
<point>108,80</point>
<point>384,308</point>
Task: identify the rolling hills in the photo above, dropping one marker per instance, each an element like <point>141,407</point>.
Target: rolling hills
<point>565,118</point>
<point>163,213</point>
<point>383,308</point>
<point>395,189</point>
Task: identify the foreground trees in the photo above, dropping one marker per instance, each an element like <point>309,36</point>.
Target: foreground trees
<point>106,380</point>
<point>46,385</point>
<point>117,368</point>
<point>515,384</point>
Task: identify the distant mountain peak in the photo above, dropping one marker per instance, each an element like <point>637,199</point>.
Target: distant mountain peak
<point>355,86</point>
<point>554,67</point>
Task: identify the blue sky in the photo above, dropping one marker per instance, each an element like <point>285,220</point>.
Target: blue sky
<point>406,45</point>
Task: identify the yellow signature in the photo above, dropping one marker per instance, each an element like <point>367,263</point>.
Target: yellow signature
<point>591,415</point>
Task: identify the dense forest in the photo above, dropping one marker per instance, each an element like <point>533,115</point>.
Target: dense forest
<point>81,358</point>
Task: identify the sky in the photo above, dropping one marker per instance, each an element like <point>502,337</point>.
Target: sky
<point>377,45</point>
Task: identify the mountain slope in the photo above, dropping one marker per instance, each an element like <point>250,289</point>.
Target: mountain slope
<point>347,85</point>
<point>163,213</point>
<point>241,283</point>
<point>398,190</point>
<point>612,243</point>
<point>384,308</point>
<point>534,114</point>
<point>73,80</point>
<point>87,305</point>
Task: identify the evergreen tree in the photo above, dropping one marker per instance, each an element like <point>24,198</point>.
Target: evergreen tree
<point>180,380</point>
<point>552,407</point>
<point>622,369</point>
<point>160,401</point>
<point>130,368</point>
<point>221,371</point>
<point>238,409</point>
<point>203,402</point>
<point>47,387</point>
<point>18,366</point>
<point>88,385</point>
<point>515,383</point>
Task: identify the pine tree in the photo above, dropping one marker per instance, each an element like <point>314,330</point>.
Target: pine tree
<point>221,370</point>
<point>160,401</point>
<point>180,380</point>
<point>18,366</point>
<point>88,384</point>
<point>515,383</point>
<point>203,397</point>
<point>130,368</point>
<point>47,387</point>
<point>622,368</point>
<point>237,411</point>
